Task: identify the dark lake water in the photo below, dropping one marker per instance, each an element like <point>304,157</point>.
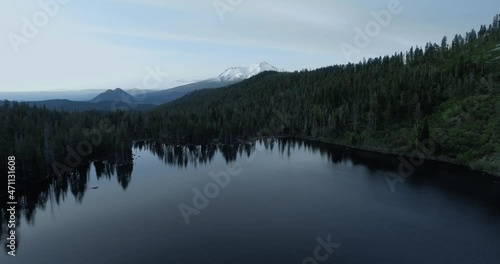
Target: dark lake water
<point>288,201</point>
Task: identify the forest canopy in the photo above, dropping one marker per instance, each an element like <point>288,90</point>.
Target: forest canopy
<point>389,104</point>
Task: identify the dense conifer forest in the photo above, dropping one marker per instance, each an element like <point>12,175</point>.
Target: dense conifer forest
<point>446,92</point>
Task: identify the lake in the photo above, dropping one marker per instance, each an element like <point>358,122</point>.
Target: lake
<point>277,201</point>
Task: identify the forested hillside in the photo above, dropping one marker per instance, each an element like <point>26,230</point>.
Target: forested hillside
<point>389,104</point>
<point>447,92</point>
<point>42,139</point>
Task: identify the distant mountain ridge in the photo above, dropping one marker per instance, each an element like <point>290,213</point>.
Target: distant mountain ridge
<point>165,96</point>
<point>229,76</point>
<point>141,100</point>
<point>112,95</point>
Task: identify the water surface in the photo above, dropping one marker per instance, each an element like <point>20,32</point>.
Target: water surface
<point>281,197</point>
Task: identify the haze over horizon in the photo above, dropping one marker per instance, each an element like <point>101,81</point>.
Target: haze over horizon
<point>110,43</point>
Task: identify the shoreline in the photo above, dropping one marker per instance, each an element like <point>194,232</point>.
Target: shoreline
<point>442,159</point>
<point>374,150</point>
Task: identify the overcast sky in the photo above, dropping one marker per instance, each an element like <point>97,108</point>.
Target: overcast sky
<point>101,44</point>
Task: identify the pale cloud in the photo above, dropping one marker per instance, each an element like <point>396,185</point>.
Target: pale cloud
<point>108,43</point>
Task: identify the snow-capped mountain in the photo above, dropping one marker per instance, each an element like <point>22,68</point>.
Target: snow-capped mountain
<point>240,73</point>
<point>228,77</point>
